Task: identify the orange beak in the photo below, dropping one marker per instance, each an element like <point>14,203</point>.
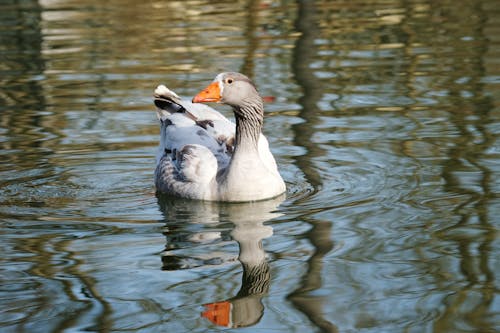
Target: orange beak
<point>218,313</point>
<point>209,94</point>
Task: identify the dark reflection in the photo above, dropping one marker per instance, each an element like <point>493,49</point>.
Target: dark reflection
<point>28,130</point>
<point>21,65</point>
<point>466,174</point>
<point>319,235</point>
<point>243,223</point>
<point>21,61</point>
<point>312,90</point>
<point>251,38</point>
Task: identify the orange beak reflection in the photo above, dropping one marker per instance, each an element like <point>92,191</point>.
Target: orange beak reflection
<point>209,94</point>
<point>218,313</point>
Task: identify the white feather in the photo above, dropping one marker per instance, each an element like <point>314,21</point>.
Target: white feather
<point>196,147</point>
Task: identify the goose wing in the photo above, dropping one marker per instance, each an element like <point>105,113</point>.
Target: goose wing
<point>196,144</point>
<point>186,123</point>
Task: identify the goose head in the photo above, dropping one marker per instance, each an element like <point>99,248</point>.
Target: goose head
<point>234,89</point>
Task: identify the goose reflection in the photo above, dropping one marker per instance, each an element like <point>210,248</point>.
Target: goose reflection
<point>248,230</point>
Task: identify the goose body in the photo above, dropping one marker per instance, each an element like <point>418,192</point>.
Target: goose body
<point>203,155</point>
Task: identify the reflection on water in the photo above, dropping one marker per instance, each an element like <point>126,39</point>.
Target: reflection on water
<point>245,308</point>
<point>385,126</point>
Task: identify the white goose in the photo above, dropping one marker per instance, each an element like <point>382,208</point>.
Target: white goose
<point>203,155</point>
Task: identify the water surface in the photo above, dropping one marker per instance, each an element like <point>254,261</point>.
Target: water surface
<point>385,125</point>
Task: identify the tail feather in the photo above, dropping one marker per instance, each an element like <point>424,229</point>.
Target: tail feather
<point>166,100</point>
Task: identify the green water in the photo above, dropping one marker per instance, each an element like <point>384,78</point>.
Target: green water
<point>385,125</point>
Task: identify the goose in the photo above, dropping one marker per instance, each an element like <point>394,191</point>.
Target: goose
<point>204,156</point>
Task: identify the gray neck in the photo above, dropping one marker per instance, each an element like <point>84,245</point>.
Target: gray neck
<point>249,120</point>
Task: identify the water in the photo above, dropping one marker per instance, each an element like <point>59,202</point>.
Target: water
<point>385,126</point>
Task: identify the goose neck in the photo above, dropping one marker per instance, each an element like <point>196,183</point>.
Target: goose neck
<point>249,121</point>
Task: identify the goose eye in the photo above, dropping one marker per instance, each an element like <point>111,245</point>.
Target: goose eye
<point>229,80</point>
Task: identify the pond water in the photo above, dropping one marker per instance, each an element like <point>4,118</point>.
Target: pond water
<point>385,124</point>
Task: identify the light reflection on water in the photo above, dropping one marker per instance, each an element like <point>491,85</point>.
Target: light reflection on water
<point>385,127</point>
